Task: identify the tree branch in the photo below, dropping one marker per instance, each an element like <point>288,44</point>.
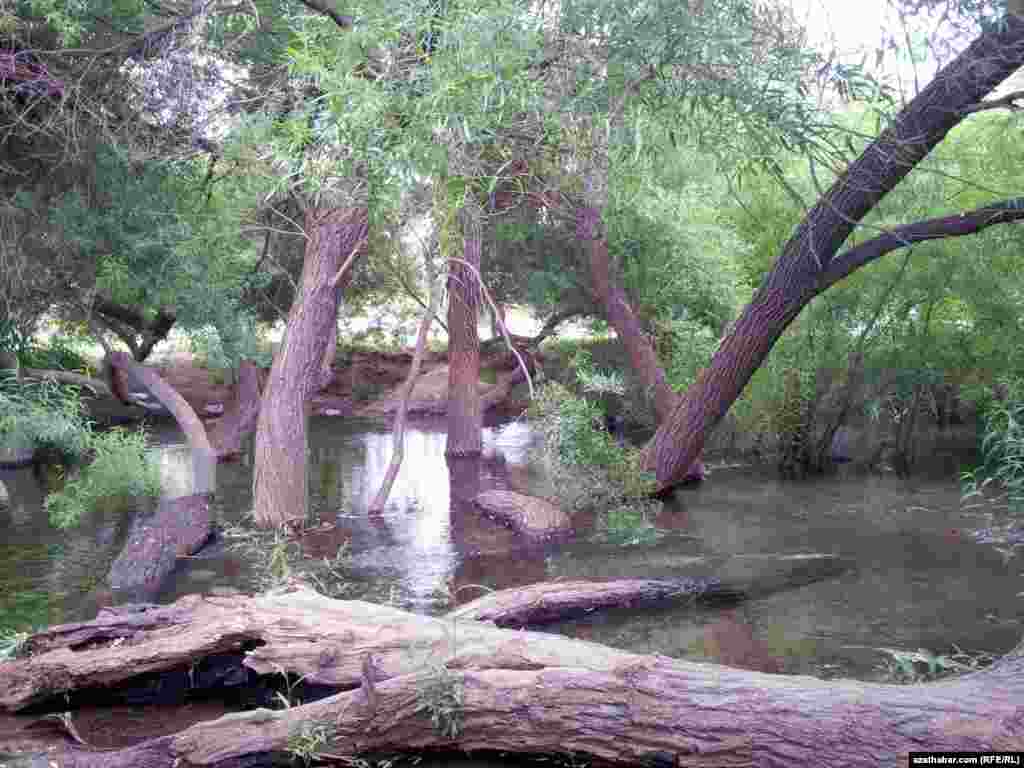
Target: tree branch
<point>327,9</point>
<point>957,225</point>
<point>1009,101</point>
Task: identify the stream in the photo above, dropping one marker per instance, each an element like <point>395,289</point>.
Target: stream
<point>919,580</point>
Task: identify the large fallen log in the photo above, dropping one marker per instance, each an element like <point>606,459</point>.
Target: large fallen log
<point>179,527</point>
<point>547,602</point>
<point>413,682</point>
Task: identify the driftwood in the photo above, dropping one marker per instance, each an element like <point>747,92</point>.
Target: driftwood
<point>178,528</point>
<point>547,602</point>
<point>533,518</point>
<point>412,682</point>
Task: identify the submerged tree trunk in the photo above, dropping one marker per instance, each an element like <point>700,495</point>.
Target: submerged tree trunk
<point>280,491</point>
<point>465,417</point>
<point>809,263</point>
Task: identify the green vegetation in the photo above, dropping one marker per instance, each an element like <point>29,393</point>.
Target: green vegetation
<point>121,471</point>
<point>999,479</point>
<point>45,416</point>
<point>441,696</point>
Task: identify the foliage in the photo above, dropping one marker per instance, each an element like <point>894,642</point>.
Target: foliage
<point>58,354</point>
<point>121,469</point>
<point>442,696</point>
<point>277,558</point>
<point>629,525</point>
<point>922,666</point>
<point>308,740</point>
<point>44,415</point>
<point>588,468</point>
<point>1002,448</point>
<point>13,644</point>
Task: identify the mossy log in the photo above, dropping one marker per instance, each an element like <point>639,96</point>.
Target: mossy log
<point>408,682</point>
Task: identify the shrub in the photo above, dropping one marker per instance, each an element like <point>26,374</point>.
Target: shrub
<point>44,415</point>
<point>121,469</point>
<point>588,468</point>
<point>1002,447</point>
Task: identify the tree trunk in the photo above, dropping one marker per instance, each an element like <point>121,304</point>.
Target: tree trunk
<point>413,682</point>
<point>241,415</point>
<point>809,264</point>
<point>204,458</point>
<point>642,357</point>
<point>398,431</point>
<point>280,491</point>
<point>465,417</point>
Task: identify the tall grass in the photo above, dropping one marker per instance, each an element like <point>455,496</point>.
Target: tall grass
<point>999,479</point>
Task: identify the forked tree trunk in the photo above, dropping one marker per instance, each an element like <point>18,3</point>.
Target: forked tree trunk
<point>465,417</point>
<point>280,487</point>
<point>809,264</point>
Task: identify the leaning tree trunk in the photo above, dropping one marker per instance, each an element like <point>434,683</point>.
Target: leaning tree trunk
<point>465,417</point>
<point>809,264</point>
<point>617,309</point>
<point>280,489</point>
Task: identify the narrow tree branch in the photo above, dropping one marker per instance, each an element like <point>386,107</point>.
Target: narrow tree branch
<point>1010,101</point>
<point>957,225</point>
<point>327,9</point>
<point>501,324</point>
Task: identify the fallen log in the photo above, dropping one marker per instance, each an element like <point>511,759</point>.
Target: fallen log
<point>413,682</point>
<point>548,602</point>
<point>178,528</point>
<point>533,518</point>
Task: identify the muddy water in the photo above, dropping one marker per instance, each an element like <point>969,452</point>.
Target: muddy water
<point>918,580</point>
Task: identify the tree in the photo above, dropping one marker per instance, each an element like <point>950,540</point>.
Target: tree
<point>810,263</point>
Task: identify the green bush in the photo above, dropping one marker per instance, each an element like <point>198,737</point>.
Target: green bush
<point>588,468</point>
<point>121,469</point>
<point>57,355</point>
<point>44,415</point>
<point>1002,447</point>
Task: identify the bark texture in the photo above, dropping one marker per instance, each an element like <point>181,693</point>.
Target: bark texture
<point>809,261</point>
<point>241,415</point>
<point>465,416</point>
<point>280,486</point>
<point>510,691</point>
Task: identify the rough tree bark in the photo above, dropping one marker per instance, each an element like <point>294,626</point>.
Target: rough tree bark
<point>496,689</point>
<point>465,417</point>
<point>809,262</point>
<point>280,492</point>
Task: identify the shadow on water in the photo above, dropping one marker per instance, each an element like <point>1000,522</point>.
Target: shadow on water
<point>919,582</point>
